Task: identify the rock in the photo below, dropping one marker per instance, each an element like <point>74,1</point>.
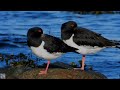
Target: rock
<point>57,70</point>
<point>13,72</point>
<point>57,73</point>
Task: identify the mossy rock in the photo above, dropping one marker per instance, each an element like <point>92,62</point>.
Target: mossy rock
<point>57,73</point>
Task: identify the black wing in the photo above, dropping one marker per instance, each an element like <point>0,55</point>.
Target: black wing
<point>83,36</point>
<point>54,44</point>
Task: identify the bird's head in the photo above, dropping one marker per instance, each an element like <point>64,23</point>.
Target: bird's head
<point>70,25</point>
<point>34,36</point>
<point>35,32</point>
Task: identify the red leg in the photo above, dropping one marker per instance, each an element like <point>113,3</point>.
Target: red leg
<point>83,62</point>
<point>45,71</point>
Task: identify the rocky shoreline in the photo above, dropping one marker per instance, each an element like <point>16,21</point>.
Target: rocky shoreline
<point>53,73</point>
<point>25,68</point>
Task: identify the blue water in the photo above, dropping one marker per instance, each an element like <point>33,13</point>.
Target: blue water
<point>15,24</point>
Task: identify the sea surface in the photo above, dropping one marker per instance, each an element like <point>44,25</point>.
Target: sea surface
<point>15,24</point>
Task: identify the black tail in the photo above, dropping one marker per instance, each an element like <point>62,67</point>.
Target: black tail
<point>118,47</point>
<point>117,43</point>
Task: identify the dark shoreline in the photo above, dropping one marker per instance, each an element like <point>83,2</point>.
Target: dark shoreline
<point>20,69</point>
<point>21,72</point>
<point>96,12</point>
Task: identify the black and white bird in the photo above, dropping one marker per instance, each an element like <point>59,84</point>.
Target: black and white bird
<point>46,46</point>
<point>85,40</point>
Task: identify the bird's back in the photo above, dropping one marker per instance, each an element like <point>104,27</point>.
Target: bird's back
<point>83,36</point>
<point>54,44</point>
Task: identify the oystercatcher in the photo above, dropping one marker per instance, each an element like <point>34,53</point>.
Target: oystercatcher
<point>46,46</point>
<point>85,40</point>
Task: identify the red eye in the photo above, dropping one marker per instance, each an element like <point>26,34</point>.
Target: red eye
<point>39,30</point>
<point>72,25</point>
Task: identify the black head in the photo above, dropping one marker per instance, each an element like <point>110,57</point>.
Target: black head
<point>69,25</point>
<point>34,36</point>
<point>35,32</point>
<point>67,29</point>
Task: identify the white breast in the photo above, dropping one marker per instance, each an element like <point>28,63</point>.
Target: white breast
<point>82,49</point>
<point>43,53</point>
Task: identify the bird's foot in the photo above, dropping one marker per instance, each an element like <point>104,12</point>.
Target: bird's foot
<point>42,72</point>
<point>82,69</point>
